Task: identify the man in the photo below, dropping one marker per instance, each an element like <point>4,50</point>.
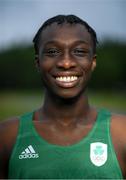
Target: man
<point>66,138</point>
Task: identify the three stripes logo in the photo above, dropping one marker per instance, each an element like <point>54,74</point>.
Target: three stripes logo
<point>28,153</point>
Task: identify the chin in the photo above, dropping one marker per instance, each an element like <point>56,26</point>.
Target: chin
<point>65,95</point>
<point>57,92</point>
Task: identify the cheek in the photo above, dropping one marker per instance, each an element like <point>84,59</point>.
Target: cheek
<point>45,66</point>
<point>87,67</point>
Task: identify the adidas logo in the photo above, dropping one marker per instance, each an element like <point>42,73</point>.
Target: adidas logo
<point>28,153</point>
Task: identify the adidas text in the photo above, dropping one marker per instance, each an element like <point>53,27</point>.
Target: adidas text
<point>24,156</point>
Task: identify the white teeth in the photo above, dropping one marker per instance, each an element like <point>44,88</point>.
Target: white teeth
<point>66,78</point>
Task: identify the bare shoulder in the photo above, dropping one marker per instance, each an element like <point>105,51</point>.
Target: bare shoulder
<point>8,130</point>
<point>10,125</point>
<point>8,134</point>
<point>119,117</point>
<point>118,126</point>
<point>118,132</point>
<point>119,120</point>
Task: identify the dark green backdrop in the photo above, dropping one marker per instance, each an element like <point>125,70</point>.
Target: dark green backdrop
<point>17,69</point>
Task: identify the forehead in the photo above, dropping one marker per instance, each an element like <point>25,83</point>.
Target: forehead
<point>65,33</point>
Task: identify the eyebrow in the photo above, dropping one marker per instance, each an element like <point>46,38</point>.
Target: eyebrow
<point>75,42</point>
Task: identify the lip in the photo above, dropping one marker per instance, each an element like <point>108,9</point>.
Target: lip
<point>64,74</point>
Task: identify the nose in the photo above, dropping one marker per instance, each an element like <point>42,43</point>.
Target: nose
<point>66,62</point>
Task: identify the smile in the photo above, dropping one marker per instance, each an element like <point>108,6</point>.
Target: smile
<point>67,79</point>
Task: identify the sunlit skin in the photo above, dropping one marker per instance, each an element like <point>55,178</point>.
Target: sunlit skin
<point>65,61</point>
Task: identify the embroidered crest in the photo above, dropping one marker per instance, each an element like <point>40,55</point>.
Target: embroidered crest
<point>98,153</point>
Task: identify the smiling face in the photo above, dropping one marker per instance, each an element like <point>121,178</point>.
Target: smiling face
<point>65,59</point>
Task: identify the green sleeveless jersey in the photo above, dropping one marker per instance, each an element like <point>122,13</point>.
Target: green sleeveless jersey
<point>91,158</point>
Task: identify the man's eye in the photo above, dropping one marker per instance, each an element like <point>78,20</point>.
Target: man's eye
<point>79,52</point>
<point>52,52</point>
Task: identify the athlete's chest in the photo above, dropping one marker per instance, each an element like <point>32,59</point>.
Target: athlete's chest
<point>91,157</point>
<point>62,136</point>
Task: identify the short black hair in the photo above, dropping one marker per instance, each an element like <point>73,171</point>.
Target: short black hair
<point>60,19</point>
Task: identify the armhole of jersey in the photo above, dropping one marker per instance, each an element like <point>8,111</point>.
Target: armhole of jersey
<point>21,120</point>
<point>14,146</point>
<point>114,156</point>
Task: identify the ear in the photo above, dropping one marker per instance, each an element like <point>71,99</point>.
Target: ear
<point>94,63</point>
<point>37,62</point>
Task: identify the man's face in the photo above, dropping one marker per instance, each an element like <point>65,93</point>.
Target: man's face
<point>66,59</point>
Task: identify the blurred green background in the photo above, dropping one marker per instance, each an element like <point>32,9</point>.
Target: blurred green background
<point>21,91</point>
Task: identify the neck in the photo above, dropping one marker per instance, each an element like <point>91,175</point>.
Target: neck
<point>64,111</point>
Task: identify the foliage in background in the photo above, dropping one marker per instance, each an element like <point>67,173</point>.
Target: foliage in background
<point>17,68</point>
<point>111,65</point>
